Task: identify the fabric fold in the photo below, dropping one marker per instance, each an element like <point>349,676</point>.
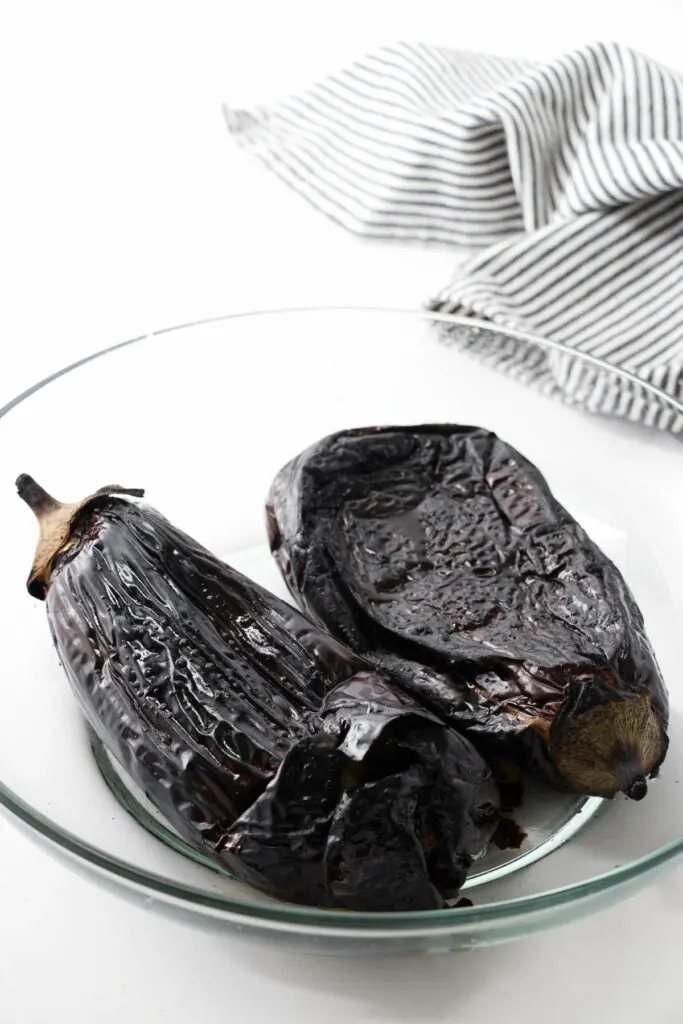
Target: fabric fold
<point>565,180</point>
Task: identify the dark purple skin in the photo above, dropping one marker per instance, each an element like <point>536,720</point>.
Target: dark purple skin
<point>265,742</point>
<point>440,554</point>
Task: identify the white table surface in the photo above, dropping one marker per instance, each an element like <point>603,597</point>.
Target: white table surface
<point>125,207</point>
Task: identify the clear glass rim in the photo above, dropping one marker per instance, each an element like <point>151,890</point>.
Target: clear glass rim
<point>313,919</point>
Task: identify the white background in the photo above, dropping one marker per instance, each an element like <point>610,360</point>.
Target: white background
<point>125,207</point>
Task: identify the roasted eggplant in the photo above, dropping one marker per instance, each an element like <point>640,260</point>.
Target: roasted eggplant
<point>266,743</point>
<point>440,554</point>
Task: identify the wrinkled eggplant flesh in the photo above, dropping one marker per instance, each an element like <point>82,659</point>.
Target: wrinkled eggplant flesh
<point>440,554</point>
<point>264,741</point>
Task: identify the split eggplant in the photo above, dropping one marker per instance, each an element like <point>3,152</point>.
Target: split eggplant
<point>265,742</point>
<point>440,554</point>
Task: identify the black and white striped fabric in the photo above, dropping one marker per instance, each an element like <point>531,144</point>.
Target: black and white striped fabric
<point>561,185</point>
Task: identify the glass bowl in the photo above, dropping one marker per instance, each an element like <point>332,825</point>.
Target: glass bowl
<point>202,416</point>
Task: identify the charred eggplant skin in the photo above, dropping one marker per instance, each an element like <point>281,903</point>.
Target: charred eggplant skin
<point>264,741</point>
<point>440,554</point>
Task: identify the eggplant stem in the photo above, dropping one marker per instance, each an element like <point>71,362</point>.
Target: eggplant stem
<point>35,496</point>
<point>55,520</point>
<point>638,788</point>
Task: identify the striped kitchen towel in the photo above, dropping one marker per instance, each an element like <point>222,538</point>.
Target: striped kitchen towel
<point>561,185</point>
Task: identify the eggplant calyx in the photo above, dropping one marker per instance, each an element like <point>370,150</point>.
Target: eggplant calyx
<point>55,520</point>
<point>610,748</point>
